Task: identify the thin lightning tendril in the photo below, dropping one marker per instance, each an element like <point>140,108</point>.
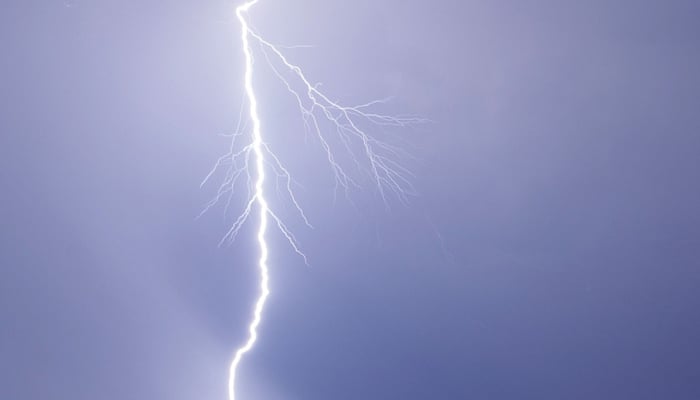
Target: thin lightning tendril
<point>250,161</point>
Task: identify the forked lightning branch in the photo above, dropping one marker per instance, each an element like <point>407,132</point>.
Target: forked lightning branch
<point>250,159</point>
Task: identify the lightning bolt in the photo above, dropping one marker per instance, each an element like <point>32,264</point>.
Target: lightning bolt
<point>258,197</point>
<point>251,160</point>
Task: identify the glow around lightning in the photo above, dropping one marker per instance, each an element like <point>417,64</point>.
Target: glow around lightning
<point>370,157</point>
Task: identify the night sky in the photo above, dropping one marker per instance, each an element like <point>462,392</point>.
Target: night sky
<point>552,250</point>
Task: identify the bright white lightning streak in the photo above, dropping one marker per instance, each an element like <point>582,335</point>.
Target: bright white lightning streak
<point>314,106</point>
<point>258,197</point>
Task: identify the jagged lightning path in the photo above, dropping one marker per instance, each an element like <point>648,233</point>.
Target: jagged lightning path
<point>369,155</point>
<point>258,197</point>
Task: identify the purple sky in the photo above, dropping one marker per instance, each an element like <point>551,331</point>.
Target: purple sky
<point>553,251</point>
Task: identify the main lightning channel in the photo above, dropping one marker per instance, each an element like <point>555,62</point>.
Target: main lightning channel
<point>259,198</point>
<point>250,161</point>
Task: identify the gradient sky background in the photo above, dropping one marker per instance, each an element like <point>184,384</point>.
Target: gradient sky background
<point>553,251</point>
